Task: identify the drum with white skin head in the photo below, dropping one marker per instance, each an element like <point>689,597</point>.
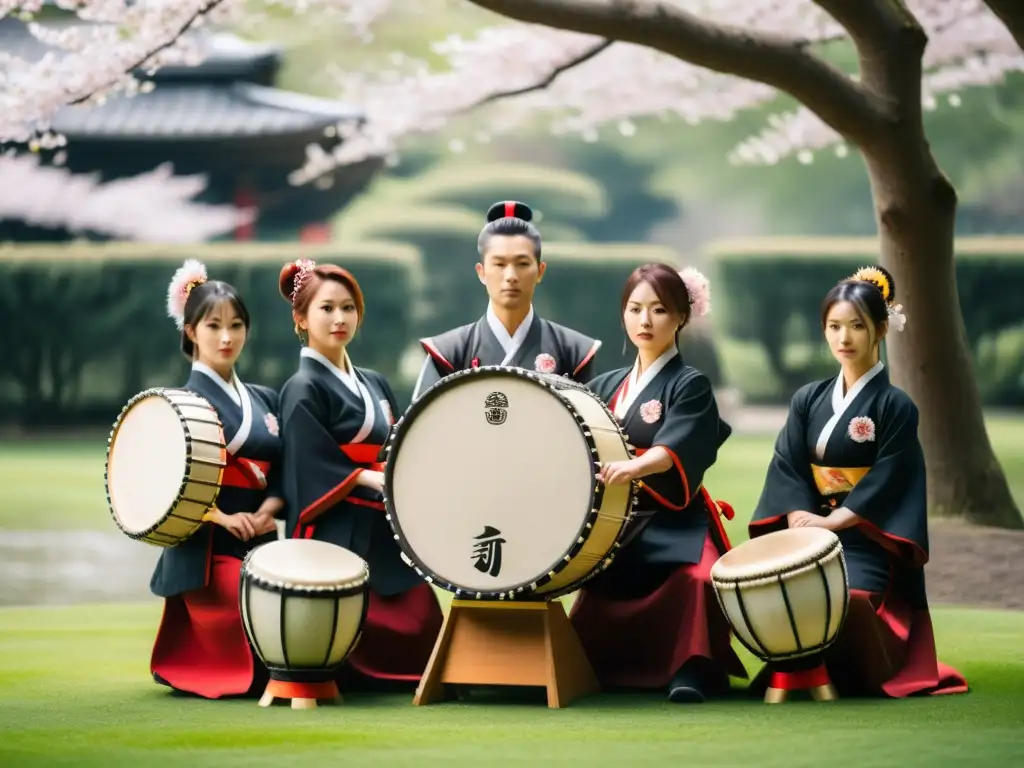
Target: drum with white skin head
<point>491,484</point>
<point>165,461</point>
<point>786,595</point>
<point>303,605</point>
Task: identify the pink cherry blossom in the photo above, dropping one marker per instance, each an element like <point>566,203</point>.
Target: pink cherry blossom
<point>155,206</point>
<point>650,411</point>
<point>270,420</point>
<point>544,363</point>
<point>614,85</point>
<point>862,429</point>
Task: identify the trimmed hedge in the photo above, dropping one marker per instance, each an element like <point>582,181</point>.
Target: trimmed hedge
<point>553,193</point>
<point>86,325</point>
<point>770,292</point>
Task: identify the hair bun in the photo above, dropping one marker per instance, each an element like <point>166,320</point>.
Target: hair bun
<point>286,281</point>
<point>509,209</point>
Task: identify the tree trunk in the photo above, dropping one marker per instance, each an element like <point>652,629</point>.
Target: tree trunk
<point>915,206</point>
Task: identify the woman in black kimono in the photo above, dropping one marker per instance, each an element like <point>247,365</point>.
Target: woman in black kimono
<point>848,460</point>
<point>201,647</point>
<point>334,420</point>
<point>651,619</point>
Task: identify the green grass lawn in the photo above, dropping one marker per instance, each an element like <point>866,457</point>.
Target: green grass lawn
<point>75,690</point>
<point>59,484</point>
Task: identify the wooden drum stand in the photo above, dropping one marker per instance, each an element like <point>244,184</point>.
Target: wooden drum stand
<point>508,643</point>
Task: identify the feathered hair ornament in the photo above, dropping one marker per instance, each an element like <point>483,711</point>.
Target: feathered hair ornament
<point>882,280</point>
<point>699,289</point>
<point>189,275</point>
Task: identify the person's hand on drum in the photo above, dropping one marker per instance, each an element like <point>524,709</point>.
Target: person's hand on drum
<point>372,479</point>
<point>239,525</point>
<point>263,523</point>
<point>617,472</point>
<point>801,519</point>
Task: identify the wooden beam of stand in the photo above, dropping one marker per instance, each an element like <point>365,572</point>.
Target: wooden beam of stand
<point>513,643</point>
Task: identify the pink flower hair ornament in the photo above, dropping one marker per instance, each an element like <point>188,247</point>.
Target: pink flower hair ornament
<point>305,270</point>
<point>189,275</point>
<point>699,289</point>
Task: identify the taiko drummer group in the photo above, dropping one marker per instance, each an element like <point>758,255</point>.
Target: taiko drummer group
<point>306,534</point>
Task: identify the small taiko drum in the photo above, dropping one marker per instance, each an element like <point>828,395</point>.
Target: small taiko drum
<point>165,460</point>
<point>303,605</point>
<point>786,595</point>
<point>513,509</point>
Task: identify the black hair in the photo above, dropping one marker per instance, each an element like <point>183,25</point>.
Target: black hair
<point>871,297</point>
<point>508,219</point>
<point>201,301</point>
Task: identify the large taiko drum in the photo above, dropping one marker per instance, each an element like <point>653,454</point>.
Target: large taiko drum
<point>303,605</point>
<point>786,595</point>
<point>165,460</point>
<point>491,489</point>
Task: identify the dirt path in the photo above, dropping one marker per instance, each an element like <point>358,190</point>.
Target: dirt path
<point>975,566</point>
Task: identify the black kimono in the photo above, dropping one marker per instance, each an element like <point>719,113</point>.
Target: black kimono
<point>537,344</point>
<point>333,426</point>
<point>860,450</point>
<point>653,610</point>
<point>201,645</point>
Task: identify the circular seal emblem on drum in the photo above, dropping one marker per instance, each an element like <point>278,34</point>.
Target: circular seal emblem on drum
<point>496,408</point>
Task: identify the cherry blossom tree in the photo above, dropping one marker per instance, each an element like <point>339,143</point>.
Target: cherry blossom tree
<point>592,63</point>
<point>154,207</point>
<point>613,61</point>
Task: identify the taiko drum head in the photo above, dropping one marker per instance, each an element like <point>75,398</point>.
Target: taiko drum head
<point>146,464</point>
<point>490,481</point>
<point>774,552</point>
<point>307,564</point>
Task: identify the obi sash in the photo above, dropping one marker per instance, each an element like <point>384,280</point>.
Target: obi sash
<point>363,453</point>
<point>245,473</point>
<point>831,481</point>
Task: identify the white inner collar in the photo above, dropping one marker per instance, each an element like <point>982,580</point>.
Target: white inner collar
<point>509,342</point>
<point>232,390</point>
<point>840,404</point>
<point>348,378</point>
<point>636,383</point>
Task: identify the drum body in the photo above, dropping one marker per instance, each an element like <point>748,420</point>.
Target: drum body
<point>165,459</point>
<point>303,604</point>
<point>491,489</point>
<point>786,594</point>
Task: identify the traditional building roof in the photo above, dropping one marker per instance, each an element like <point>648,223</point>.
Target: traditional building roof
<point>225,96</point>
<point>201,112</point>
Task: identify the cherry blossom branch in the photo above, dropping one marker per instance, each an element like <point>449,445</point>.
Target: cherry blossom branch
<point>771,58</point>
<point>152,207</point>
<point>173,35</point>
<point>545,81</point>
